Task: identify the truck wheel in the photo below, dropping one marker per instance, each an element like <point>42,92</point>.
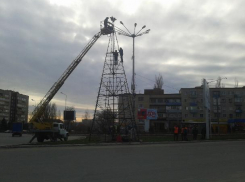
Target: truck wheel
<point>40,139</point>
<point>66,138</point>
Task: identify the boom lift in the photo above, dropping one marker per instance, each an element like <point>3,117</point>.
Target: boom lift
<point>47,130</point>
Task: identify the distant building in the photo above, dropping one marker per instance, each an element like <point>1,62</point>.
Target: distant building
<point>13,106</point>
<point>186,107</point>
<point>168,108</point>
<point>227,107</point>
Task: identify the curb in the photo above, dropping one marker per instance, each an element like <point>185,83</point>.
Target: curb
<point>111,144</point>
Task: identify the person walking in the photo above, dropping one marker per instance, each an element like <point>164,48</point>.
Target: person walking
<point>195,132</point>
<point>185,133</point>
<point>121,54</point>
<point>176,133</point>
<point>182,132</point>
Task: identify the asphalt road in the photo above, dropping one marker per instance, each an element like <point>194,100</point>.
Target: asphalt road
<point>194,162</point>
<point>7,139</point>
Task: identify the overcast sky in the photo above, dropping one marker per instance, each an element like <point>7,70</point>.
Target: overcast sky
<point>189,40</point>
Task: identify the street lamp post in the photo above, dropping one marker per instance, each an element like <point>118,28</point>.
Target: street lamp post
<point>133,35</point>
<point>65,99</point>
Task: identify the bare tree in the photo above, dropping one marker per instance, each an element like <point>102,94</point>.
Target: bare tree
<point>86,115</point>
<point>50,112</point>
<point>158,81</point>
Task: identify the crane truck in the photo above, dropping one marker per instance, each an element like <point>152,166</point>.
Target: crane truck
<point>53,131</point>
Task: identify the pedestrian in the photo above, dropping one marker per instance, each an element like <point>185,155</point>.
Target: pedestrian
<point>195,133</point>
<point>182,132</point>
<point>185,133</point>
<point>121,54</point>
<point>176,133</point>
<point>115,54</point>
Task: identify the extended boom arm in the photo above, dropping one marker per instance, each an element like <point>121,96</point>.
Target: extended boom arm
<point>39,110</point>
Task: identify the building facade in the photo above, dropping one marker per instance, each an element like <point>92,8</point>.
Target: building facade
<point>226,107</point>
<point>13,106</point>
<point>186,107</point>
<point>168,108</point>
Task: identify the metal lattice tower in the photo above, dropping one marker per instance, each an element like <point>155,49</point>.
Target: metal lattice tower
<point>114,102</point>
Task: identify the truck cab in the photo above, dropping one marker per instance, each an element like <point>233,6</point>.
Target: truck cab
<point>59,127</point>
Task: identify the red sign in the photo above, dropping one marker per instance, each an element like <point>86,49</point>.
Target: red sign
<point>142,113</point>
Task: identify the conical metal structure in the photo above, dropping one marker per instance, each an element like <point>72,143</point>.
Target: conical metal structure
<point>113,113</point>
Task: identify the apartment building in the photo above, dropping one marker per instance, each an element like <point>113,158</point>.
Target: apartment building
<point>13,106</point>
<point>226,107</point>
<point>168,108</point>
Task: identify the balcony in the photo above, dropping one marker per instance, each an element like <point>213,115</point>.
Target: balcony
<point>173,104</point>
<point>193,104</point>
<point>194,111</point>
<point>173,111</point>
<point>238,111</point>
<point>238,103</point>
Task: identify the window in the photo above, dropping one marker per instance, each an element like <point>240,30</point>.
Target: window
<point>238,107</point>
<point>186,108</point>
<point>223,100</point>
<point>238,99</point>
<point>185,100</point>
<point>201,115</point>
<point>193,93</point>
<point>194,115</point>
<point>140,98</point>
<point>201,108</point>
<point>141,121</point>
<point>141,106</point>
<point>193,108</point>
<point>231,108</point>
<point>160,100</point>
<point>186,115</point>
<point>216,115</point>
<point>153,100</point>
<point>224,115</point>
<point>223,92</point>
<point>55,125</point>
<point>238,115</point>
<point>216,93</point>
<point>160,115</point>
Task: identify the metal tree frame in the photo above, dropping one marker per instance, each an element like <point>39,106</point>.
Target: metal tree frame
<point>114,102</point>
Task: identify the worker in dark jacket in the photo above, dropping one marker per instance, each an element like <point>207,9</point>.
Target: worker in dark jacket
<point>115,54</point>
<point>121,53</point>
<point>106,22</point>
